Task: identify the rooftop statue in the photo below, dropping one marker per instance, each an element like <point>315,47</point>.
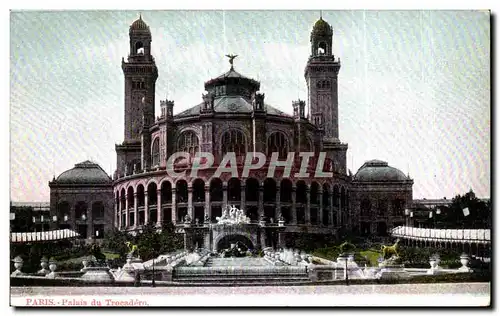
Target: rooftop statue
<point>231,59</point>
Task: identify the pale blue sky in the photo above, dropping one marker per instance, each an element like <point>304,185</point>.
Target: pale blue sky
<point>414,87</point>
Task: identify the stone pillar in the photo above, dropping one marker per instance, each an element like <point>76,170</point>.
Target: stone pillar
<point>320,200</point>
<point>174,206</point>
<point>90,222</point>
<point>339,212</point>
<point>294,205</point>
<point>330,209</point>
<point>136,209</point>
<point>308,206</point>
<point>261,202</point>
<point>263,238</point>
<point>243,198</point>
<point>281,239</point>
<point>278,204</point>
<point>146,208</point>
<point>208,210</point>
<point>224,195</point>
<point>127,219</point>
<point>119,206</point>
<point>190,203</point>
<point>159,210</point>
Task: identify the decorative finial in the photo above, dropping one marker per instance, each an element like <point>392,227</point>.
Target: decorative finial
<point>140,16</point>
<point>321,14</point>
<point>231,59</point>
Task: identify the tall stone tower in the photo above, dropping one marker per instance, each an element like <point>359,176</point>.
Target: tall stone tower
<point>321,74</point>
<point>140,74</point>
<point>140,77</point>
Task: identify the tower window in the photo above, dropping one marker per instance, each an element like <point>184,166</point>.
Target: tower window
<point>322,48</point>
<point>156,152</point>
<point>139,48</point>
<point>323,84</point>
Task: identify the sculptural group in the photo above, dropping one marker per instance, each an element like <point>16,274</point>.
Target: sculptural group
<point>232,215</point>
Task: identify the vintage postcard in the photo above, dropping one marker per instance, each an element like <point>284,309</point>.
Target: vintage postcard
<point>202,158</point>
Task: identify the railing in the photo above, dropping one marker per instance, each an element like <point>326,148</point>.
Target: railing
<point>482,236</point>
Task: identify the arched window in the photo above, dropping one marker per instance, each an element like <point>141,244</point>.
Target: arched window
<point>63,211</point>
<point>155,152</point>
<point>277,142</point>
<point>366,206</point>
<point>139,48</point>
<point>188,142</point>
<point>322,48</point>
<point>97,211</point>
<point>133,165</point>
<point>234,141</point>
<point>382,207</point>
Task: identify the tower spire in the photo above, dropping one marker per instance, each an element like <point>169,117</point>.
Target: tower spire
<point>321,14</point>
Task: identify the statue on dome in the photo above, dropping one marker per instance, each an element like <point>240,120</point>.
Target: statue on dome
<point>231,59</point>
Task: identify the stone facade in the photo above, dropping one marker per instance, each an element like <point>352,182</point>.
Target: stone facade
<point>232,116</point>
<point>82,200</point>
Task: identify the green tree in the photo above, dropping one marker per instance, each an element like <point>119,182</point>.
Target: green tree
<point>479,217</point>
<point>115,241</point>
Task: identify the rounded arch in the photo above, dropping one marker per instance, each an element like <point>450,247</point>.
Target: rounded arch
<point>166,191</point>
<point>122,198</point>
<point>269,190</point>
<point>140,195</point>
<point>314,191</point>
<point>216,194</point>
<point>225,242</point>
<point>181,190</point>
<point>322,48</point>
<point>286,191</point>
<point>198,190</point>
<point>365,207</point>
<point>188,141</point>
<point>234,140</point>
<point>336,195</point>
<point>252,190</point>
<point>278,142</point>
<point>152,193</point>
<point>81,208</point>
<point>130,196</point>
<point>139,47</point>
<point>134,164</point>
<point>98,210</point>
<point>234,190</point>
<point>326,195</point>
<point>155,152</point>
<point>301,190</point>
<point>63,210</point>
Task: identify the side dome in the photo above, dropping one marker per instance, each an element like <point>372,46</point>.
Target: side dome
<point>377,170</point>
<point>322,28</point>
<point>85,172</point>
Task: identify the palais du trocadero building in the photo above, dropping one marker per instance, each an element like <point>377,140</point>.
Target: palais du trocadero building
<point>232,116</point>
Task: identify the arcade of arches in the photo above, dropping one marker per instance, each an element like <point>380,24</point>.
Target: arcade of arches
<point>298,203</point>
